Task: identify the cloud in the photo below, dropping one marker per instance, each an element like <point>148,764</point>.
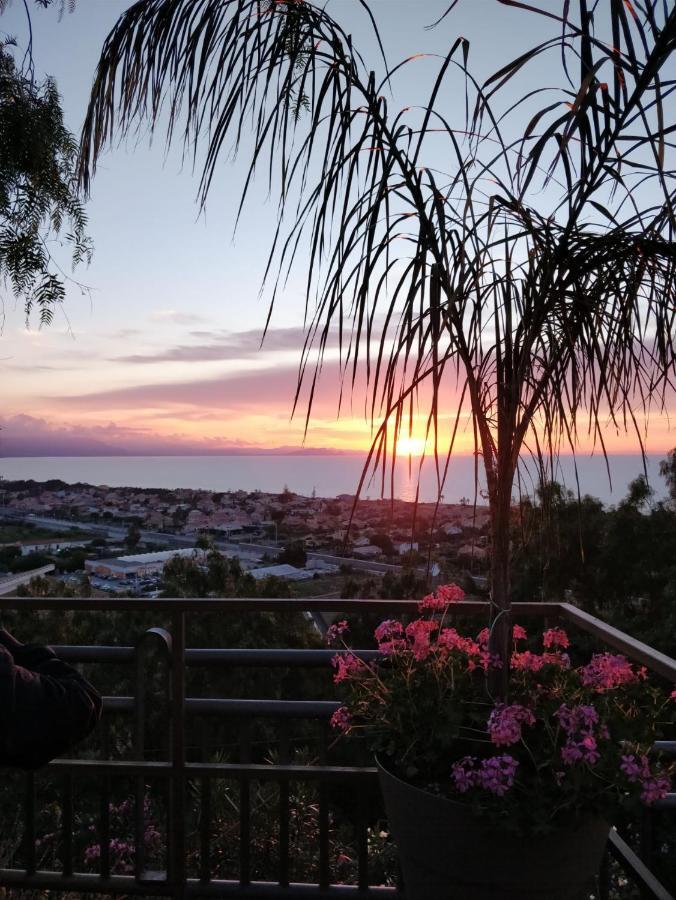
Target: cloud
<point>224,346</point>
<point>176,317</point>
<point>265,390</point>
<point>24,435</point>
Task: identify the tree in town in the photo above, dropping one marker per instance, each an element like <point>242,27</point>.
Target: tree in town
<point>668,472</point>
<point>512,252</point>
<point>133,536</point>
<point>384,541</point>
<point>294,554</point>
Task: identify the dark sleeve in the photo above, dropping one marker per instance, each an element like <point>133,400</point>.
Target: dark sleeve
<point>46,706</point>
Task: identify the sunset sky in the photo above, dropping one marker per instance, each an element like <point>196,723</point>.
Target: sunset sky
<point>163,350</point>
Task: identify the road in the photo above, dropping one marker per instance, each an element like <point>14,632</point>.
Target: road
<point>178,540</point>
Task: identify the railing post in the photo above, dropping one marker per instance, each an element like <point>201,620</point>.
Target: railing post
<point>177,791</point>
<point>162,638</point>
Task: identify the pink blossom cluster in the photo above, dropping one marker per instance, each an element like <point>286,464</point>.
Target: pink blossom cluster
<point>505,723</point>
<point>579,723</point>
<point>441,599</point>
<point>347,665</point>
<point>341,719</point>
<point>527,661</point>
<point>335,632</point>
<point>606,671</point>
<point>449,639</point>
<point>389,635</point>
<point>555,637</point>
<point>123,852</point>
<point>495,774</point>
<point>653,787</point>
<point>419,633</point>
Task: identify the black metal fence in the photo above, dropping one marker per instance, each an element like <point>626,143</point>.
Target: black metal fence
<point>181,770</point>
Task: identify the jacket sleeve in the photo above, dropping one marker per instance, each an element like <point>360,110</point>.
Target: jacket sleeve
<point>46,706</point>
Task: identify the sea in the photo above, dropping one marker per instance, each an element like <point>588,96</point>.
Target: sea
<point>327,475</point>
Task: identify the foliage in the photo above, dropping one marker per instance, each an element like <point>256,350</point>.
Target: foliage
<point>294,554</point>
<point>619,563</point>
<point>571,740</point>
<point>384,541</point>
<point>668,472</point>
<point>29,561</point>
<point>133,536</point>
<point>39,197</point>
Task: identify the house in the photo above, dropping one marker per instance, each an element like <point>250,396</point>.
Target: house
<point>406,547</point>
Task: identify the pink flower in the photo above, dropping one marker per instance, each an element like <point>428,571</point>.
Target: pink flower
<point>607,671</point>
<point>519,633</point>
<point>389,648</point>
<point>341,719</point>
<point>388,629</point>
<point>504,723</point>
<point>578,723</point>
<point>442,598</point>
<point>495,774</point>
<point>451,593</point>
<point>573,718</point>
<point>483,636</point>
<point>555,637</point>
<point>346,665</point>
<point>451,640</point>
<point>418,632</point>
<point>527,661</point>
<point>335,632</point>
<point>556,659</point>
<point>653,786</point>
<point>672,695</point>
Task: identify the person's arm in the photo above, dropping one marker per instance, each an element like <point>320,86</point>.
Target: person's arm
<point>46,706</point>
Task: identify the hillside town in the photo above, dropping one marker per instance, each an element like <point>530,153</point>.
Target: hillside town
<point>121,539</point>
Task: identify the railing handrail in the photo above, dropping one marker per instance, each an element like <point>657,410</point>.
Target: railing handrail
<point>255,604</point>
<point>636,650</point>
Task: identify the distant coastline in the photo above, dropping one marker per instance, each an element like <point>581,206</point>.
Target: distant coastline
<point>324,474</point>
<point>13,449</point>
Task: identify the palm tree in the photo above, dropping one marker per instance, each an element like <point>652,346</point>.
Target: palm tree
<point>535,281</point>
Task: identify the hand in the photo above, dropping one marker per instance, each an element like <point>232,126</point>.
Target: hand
<point>9,641</point>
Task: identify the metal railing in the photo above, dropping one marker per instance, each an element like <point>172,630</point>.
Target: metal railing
<point>178,772</point>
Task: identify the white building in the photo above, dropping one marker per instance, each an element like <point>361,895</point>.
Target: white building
<point>139,565</point>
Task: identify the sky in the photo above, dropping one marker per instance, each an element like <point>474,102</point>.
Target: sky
<point>161,352</point>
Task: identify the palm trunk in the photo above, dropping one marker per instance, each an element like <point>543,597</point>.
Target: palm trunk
<point>500,641</point>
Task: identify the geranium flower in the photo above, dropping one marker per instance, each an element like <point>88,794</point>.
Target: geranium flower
<point>388,629</point>
<point>441,599</point>
<point>335,632</point>
<point>504,723</point>
<point>419,633</point>
<point>341,719</point>
<point>555,637</point>
<point>606,671</point>
<point>346,665</point>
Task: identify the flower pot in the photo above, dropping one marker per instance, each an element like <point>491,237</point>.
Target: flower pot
<point>446,853</point>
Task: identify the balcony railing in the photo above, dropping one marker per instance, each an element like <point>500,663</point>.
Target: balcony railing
<point>180,768</point>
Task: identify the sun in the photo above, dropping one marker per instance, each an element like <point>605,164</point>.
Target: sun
<point>410,446</point>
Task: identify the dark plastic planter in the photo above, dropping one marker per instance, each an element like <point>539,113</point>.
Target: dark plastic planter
<point>446,853</point>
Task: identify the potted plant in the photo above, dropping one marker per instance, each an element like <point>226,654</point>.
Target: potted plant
<point>537,777</point>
